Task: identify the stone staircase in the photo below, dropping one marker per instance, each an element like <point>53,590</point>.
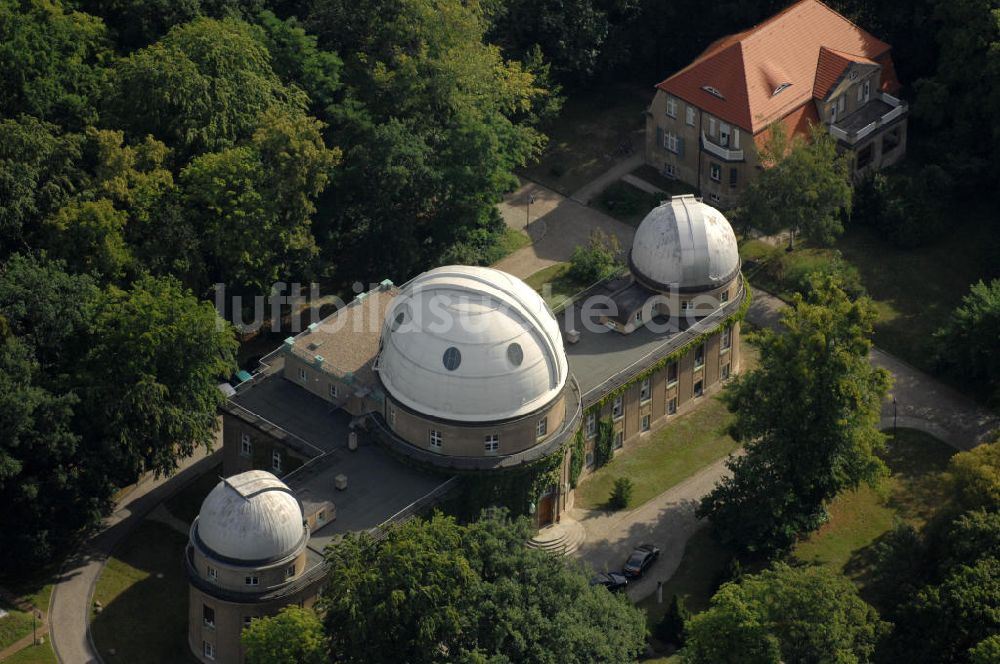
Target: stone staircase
<point>560,539</point>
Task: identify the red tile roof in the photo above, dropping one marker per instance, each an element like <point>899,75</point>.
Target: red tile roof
<point>746,68</point>
<point>831,66</point>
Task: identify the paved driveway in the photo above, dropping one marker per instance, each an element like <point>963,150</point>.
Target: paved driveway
<point>558,225</point>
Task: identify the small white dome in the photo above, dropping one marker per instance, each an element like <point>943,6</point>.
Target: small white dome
<point>684,244</point>
<point>252,516</point>
<point>471,344</point>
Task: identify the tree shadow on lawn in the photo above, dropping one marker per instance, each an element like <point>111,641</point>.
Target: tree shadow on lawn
<point>144,593</point>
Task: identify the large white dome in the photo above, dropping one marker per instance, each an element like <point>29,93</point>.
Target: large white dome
<point>684,244</point>
<point>252,516</point>
<point>471,344</point>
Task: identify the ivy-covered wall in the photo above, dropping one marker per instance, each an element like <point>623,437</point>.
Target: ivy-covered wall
<point>577,454</point>
<point>514,489</point>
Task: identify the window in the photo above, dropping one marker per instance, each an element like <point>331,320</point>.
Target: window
<point>452,358</point>
<point>671,107</point>
<point>672,406</point>
<point>491,442</point>
<point>699,356</point>
<point>668,169</point>
<point>715,172</point>
<point>841,103</point>
<point>590,459</point>
<point>290,571</point>
<point>671,373</point>
<point>734,176</point>
<point>867,89</point>
<point>543,427</point>
<point>246,446</point>
<point>891,139</point>
<point>645,422</point>
<point>736,138</point>
<point>616,407</point>
<point>711,126</point>
<point>724,134</point>
<point>865,156</point>
<point>687,305</point>
<point>724,372</point>
<point>644,391</point>
<point>208,649</point>
<point>638,316</point>
<point>392,415</point>
<point>276,461</point>
<point>333,390</point>
<point>246,621</point>
<point>727,338</point>
<point>670,142</point>
<point>690,115</point>
<point>591,425</point>
<point>213,573</point>
<point>435,439</point>
<point>699,389</point>
<point>724,296</point>
<point>619,439</point>
<point>712,91</point>
<point>715,197</point>
<point>302,375</point>
<point>208,615</point>
<point>251,580</point>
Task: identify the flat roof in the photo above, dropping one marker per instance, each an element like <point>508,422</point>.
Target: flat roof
<point>378,485</point>
<point>603,359</point>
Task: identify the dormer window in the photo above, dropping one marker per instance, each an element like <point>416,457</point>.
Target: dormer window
<point>780,87</point>
<point>712,91</point>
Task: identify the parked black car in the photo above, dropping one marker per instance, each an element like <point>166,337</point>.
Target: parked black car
<point>613,581</point>
<point>640,560</point>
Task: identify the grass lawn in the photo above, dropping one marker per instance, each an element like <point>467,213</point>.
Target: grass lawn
<point>512,241</point>
<point>562,286</point>
<point>626,203</point>
<point>14,626</point>
<point>913,290</point>
<point>588,131</point>
<point>913,492</point>
<point>33,655</point>
<point>186,503</point>
<point>145,598</point>
<point>673,453</point>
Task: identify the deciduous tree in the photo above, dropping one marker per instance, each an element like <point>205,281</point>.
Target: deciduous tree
<point>785,614</point>
<point>808,417</point>
<point>294,636</point>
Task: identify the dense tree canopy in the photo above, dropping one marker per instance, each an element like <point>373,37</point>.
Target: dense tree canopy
<point>294,636</point>
<point>968,344</point>
<point>808,417</point>
<point>785,614</point>
<point>434,591</point>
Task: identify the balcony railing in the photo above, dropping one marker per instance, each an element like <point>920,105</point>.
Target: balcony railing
<point>898,109</point>
<point>722,153</point>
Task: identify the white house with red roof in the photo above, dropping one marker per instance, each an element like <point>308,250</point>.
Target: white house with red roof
<point>804,66</point>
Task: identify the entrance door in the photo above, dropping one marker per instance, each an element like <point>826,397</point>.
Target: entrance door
<point>546,510</point>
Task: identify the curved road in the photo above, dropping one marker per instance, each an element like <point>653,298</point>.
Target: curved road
<point>69,608</point>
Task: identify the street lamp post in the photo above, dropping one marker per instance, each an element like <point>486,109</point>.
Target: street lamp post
<point>894,415</point>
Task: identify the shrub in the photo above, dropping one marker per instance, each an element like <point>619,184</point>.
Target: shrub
<point>598,260</point>
<point>670,629</point>
<point>903,209</point>
<point>621,493</point>
<point>967,344</point>
<point>627,200</point>
<point>801,276</point>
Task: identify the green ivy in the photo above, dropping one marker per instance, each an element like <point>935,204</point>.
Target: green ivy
<point>577,454</point>
<point>514,489</point>
<point>604,446</point>
<point>737,315</point>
